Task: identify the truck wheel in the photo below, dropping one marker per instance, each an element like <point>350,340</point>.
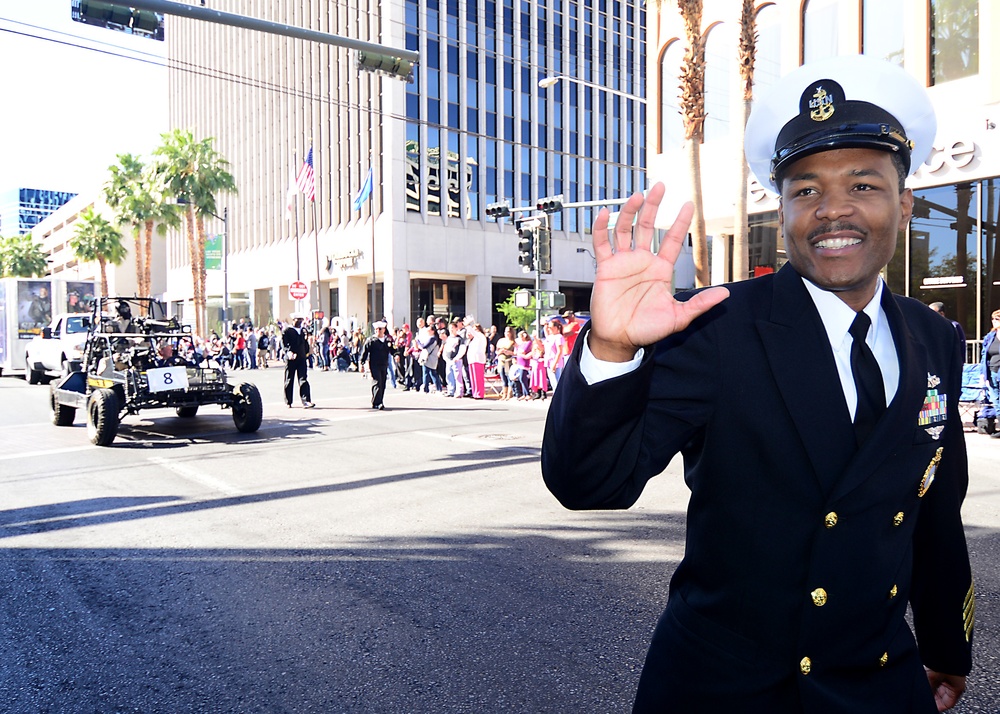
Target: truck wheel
<point>61,414</point>
<point>248,409</point>
<point>102,417</point>
<point>187,412</point>
<point>34,376</point>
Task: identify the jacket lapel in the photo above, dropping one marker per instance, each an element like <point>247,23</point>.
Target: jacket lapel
<point>801,360</point>
<point>899,421</point>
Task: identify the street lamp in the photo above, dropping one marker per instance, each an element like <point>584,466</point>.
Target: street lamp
<point>547,82</point>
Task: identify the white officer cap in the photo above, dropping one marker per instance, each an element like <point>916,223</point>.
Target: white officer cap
<point>378,324</point>
<point>839,103</point>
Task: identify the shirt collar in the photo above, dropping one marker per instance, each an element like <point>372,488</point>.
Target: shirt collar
<point>837,315</point>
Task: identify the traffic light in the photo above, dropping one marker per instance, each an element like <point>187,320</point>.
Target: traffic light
<point>119,16</point>
<point>395,67</point>
<point>497,210</point>
<point>526,248</point>
<point>544,250</point>
<point>551,204</point>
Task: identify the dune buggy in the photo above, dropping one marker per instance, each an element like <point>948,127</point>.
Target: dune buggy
<point>136,358</point>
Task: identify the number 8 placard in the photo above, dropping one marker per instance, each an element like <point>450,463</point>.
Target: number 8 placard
<point>164,379</point>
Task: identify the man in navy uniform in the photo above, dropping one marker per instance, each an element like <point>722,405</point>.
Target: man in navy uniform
<point>296,353</point>
<point>376,353</point>
<point>816,413</point>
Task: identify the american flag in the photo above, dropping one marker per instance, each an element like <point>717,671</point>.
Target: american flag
<point>307,178</point>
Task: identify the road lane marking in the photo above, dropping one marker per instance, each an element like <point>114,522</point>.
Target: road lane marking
<point>45,452</point>
<point>199,477</point>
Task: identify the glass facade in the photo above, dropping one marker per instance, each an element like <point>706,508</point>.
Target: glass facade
<point>881,30</point>
<point>480,130</point>
<point>437,297</point>
<point>954,37</point>
<point>24,208</point>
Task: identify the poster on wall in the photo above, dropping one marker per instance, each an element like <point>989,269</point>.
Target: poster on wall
<point>34,307</point>
<point>79,297</point>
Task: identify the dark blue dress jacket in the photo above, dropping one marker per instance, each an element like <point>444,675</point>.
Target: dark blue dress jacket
<point>802,548</point>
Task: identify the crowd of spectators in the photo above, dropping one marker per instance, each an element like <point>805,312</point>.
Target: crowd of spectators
<point>455,358</point>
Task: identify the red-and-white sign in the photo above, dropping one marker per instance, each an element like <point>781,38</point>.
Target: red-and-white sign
<point>298,290</point>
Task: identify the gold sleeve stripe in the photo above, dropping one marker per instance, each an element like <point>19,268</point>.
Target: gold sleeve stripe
<point>969,611</point>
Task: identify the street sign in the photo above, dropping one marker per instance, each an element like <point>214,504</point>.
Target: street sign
<point>298,290</point>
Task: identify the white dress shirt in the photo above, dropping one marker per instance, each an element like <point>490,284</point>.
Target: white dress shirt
<point>837,317</point>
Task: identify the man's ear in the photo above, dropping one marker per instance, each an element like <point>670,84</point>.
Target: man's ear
<point>906,208</point>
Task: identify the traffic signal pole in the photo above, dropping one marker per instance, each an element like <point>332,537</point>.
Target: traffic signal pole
<point>166,7</point>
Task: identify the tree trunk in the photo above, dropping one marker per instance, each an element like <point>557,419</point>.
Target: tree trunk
<point>741,229</point>
<point>138,260</point>
<point>699,242</point>
<point>104,275</point>
<point>747,55</point>
<point>147,285</point>
<point>192,255</point>
<point>692,101</point>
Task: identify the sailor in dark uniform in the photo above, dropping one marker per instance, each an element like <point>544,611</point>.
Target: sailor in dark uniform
<point>376,353</point>
<point>827,472</point>
<point>296,352</point>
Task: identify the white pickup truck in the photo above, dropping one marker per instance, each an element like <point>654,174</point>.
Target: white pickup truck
<point>60,342</point>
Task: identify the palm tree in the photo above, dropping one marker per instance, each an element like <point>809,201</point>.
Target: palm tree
<point>21,257</point>
<point>96,239</point>
<point>194,172</point>
<point>747,55</point>
<point>692,102</point>
<point>120,193</point>
<point>138,195</point>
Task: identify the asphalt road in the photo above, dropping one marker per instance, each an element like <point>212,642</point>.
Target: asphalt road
<point>342,560</point>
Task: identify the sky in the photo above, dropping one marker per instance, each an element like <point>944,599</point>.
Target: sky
<point>73,96</point>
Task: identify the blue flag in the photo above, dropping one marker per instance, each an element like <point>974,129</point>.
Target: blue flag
<point>365,192</point>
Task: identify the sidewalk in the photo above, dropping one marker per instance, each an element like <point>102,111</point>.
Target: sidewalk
<point>352,389</point>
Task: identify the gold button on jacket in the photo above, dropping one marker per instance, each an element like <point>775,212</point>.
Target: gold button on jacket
<point>831,519</point>
<point>818,597</point>
<point>805,666</point>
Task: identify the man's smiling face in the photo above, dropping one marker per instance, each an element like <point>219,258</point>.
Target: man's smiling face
<point>841,211</point>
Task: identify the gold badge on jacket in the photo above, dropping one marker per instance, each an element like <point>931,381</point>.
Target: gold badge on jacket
<point>928,479</point>
<point>934,412</point>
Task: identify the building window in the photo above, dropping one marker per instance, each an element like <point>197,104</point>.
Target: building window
<point>954,35</point>
<point>437,297</point>
<point>882,31</point>
<point>671,123</point>
<point>820,29</point>
<point>767,62</point>
<point>720,61</point>
<point>942,251</point>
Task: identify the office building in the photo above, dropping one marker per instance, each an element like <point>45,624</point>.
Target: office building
<point>474,128</point>
<point>950,251</point>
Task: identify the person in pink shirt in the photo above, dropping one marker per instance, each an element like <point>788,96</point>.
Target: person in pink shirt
<point>476,355</point>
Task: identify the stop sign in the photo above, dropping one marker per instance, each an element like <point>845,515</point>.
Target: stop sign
<point>298,290</point>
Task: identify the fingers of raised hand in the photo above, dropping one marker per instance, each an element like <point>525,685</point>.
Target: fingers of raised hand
<point>626,218</point>
<point>602,243</point>
<point>677,234</point>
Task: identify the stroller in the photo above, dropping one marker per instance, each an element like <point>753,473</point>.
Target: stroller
<point>978,413</point>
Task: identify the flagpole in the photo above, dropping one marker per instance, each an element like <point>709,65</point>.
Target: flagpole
<point>298,274</point>
<point>319,295</point>
<point>371,213</point>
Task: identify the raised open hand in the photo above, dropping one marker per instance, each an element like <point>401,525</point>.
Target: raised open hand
<point>632,305</point>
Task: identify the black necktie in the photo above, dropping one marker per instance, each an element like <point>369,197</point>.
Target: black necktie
<point>867,379</point>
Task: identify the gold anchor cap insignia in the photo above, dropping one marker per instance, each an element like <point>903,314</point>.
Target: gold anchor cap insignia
<point>821,105</point>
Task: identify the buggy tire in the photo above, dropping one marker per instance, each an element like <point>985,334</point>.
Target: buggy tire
<point>102,417</point>
<point>248,409</point>
<point>187,412</point>
<point>61,414</point>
